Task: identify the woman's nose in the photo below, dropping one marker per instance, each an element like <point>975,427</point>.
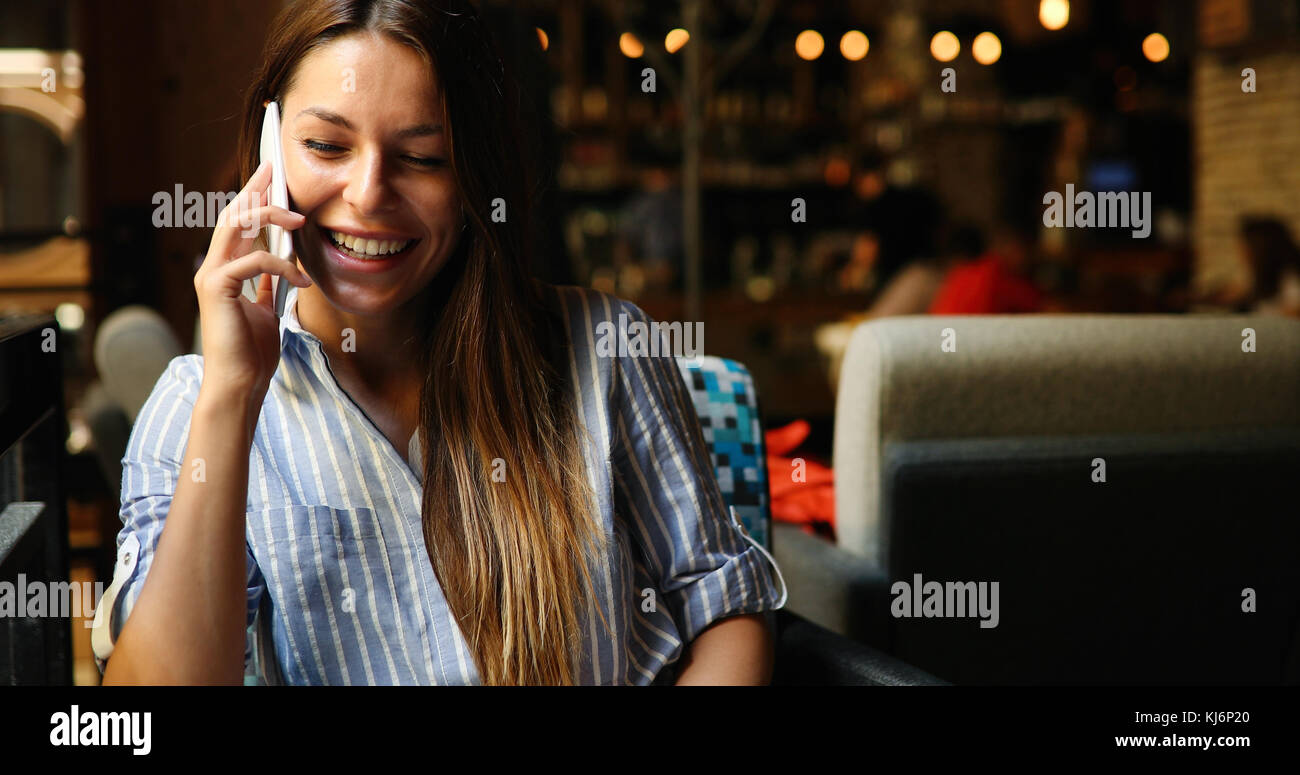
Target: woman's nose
<point>367,189</point>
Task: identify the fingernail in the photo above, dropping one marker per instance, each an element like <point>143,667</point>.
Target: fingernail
<point>298,215</point>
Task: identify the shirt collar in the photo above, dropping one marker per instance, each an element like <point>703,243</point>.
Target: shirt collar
<point>289,320</point>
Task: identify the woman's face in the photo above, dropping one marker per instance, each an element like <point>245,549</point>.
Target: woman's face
<point>366,162</point>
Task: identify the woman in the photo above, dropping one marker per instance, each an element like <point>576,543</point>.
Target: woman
<point>424,472</point>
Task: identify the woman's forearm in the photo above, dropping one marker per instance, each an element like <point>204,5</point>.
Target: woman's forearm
<point>187,625</point>
<point>736,651</point>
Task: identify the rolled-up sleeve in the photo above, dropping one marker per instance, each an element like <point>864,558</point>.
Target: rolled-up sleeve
<point>151,468</point>
<point>666,490</point>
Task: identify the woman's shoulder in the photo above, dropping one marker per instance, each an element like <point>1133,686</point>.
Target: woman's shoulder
<point>178,383</point>
<point>182,375</point>
<point>184,372</point>
<point>162,424</point>
<point>584,309</point>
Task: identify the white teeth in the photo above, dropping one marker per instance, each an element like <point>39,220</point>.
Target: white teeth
<point>369,247</point>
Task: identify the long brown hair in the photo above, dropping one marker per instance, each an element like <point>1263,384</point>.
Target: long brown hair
<point>512,556</point>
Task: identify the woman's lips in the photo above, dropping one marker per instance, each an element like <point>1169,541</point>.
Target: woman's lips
<point>367,265</point>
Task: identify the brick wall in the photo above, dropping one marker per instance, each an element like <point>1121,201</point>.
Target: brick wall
<point>1246,152</point>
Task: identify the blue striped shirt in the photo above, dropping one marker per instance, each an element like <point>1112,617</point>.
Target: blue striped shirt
<point>335,548</point>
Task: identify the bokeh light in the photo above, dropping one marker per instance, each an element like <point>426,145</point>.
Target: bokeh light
<point>809,45</point>
<point>944,46</point>
<point>630,46</point>
<point>1155,47</point>
<point>1054,14</point>
<point>675,39</point>
<point>986,48</point>
<point>854,45</point>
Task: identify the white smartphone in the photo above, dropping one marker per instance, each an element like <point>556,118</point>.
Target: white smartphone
<point>279,242</point>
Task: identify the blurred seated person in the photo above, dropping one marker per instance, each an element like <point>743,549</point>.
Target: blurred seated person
<point>992,284</point>
<point>1265,245</point>
<point>911,291</point>
<point>914,287</point>
<point>650,226</point>
<point>855,275</point>
<point>1270,281</point>
<point>898,225</point>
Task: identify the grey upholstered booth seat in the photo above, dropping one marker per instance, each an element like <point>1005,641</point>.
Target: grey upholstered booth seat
<point>1057,375</point>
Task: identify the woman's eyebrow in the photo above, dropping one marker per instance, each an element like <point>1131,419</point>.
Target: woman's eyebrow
<point>326,115</point>
<point>420,130</point>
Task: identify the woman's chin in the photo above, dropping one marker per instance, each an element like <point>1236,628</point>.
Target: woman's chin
<point>355,298</point>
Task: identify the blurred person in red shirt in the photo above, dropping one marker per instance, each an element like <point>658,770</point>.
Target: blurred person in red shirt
<point>993,284</point>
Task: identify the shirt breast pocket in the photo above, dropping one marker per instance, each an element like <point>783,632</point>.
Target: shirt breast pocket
<point>333,591</point>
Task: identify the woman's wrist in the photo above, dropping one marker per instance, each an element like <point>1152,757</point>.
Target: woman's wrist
<point>222,406</point>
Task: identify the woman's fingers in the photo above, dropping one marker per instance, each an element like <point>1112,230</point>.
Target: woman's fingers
<point>259,180</point>
<point>243,217</point>
<point>229,279</point>
<point>251,196</point>
<point>237,238</point>
<point>252,222</point>
<point>262,262</point>
<point>264,291</point>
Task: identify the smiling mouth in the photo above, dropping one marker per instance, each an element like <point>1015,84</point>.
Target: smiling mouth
<point>368,249</point>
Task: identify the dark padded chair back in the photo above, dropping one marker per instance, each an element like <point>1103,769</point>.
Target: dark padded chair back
<point>1140,579</point>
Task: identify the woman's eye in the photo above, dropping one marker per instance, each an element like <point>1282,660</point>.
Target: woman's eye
<point>320,147</point>
<point>326,148</point>
<point>425,162</point>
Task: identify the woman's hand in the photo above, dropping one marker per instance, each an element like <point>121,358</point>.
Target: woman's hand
<point>241,338</point>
